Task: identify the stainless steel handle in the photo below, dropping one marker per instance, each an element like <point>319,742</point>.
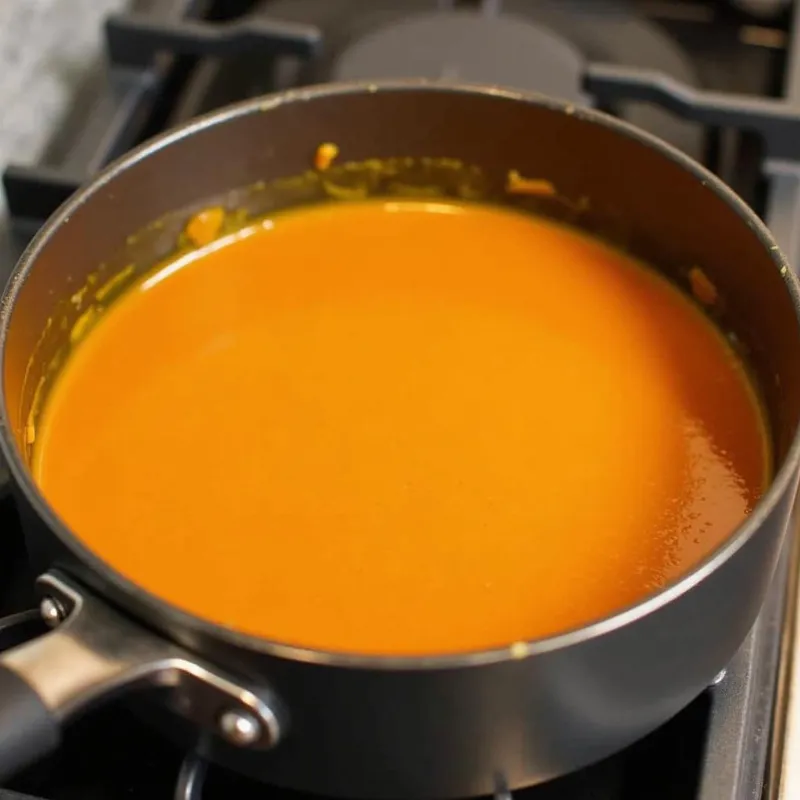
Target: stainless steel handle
<point>94,652</point>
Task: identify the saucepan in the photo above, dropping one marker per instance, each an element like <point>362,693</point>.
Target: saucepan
<point>370,726</point>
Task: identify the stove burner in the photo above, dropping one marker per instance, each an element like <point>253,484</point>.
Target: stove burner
<point>539,46</point>
<point>469,48</point>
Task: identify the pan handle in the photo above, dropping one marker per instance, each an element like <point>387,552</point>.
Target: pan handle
<point>94,652</point>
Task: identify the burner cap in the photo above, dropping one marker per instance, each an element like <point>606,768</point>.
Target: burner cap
<point>466,47</point>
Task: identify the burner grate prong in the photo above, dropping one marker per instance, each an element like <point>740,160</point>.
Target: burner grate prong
<point>501,790</point>
<point>134,39</point>
<point>776,121</point>
<point>191,778</point>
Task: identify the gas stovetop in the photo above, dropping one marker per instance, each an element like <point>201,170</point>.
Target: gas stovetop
<point>731,73</point>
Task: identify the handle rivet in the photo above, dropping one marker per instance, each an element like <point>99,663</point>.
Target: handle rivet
<point>239,728</point>
<point>52,611</point>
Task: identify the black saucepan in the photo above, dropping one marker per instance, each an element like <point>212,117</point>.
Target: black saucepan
<point>369,726</point>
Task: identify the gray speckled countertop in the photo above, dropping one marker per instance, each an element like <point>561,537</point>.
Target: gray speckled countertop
<point>45,45</point>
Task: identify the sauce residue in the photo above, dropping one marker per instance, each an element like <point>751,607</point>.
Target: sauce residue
<point>325,155</point>
<point>205,226</point>
<point>518,184</point>
<point>397,427</point>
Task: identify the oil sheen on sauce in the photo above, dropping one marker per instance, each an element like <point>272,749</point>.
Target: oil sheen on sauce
<point>403,428</point>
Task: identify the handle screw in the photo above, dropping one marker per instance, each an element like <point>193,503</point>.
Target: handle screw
<point>52,611</point>
<point>239,728</point>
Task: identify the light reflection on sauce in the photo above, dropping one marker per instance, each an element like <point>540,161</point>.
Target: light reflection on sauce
<point>378,432</point>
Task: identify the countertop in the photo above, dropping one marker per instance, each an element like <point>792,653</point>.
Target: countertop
<point>45,47</point>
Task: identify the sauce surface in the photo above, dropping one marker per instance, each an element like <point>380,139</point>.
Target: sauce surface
<point>402,428</point>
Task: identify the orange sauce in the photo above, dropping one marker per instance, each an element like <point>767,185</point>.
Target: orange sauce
<point>395,427</point>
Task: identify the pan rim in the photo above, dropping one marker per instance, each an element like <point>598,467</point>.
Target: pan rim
<point>782,482</point>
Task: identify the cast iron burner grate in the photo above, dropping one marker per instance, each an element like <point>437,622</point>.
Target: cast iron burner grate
<point>721,85</point>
